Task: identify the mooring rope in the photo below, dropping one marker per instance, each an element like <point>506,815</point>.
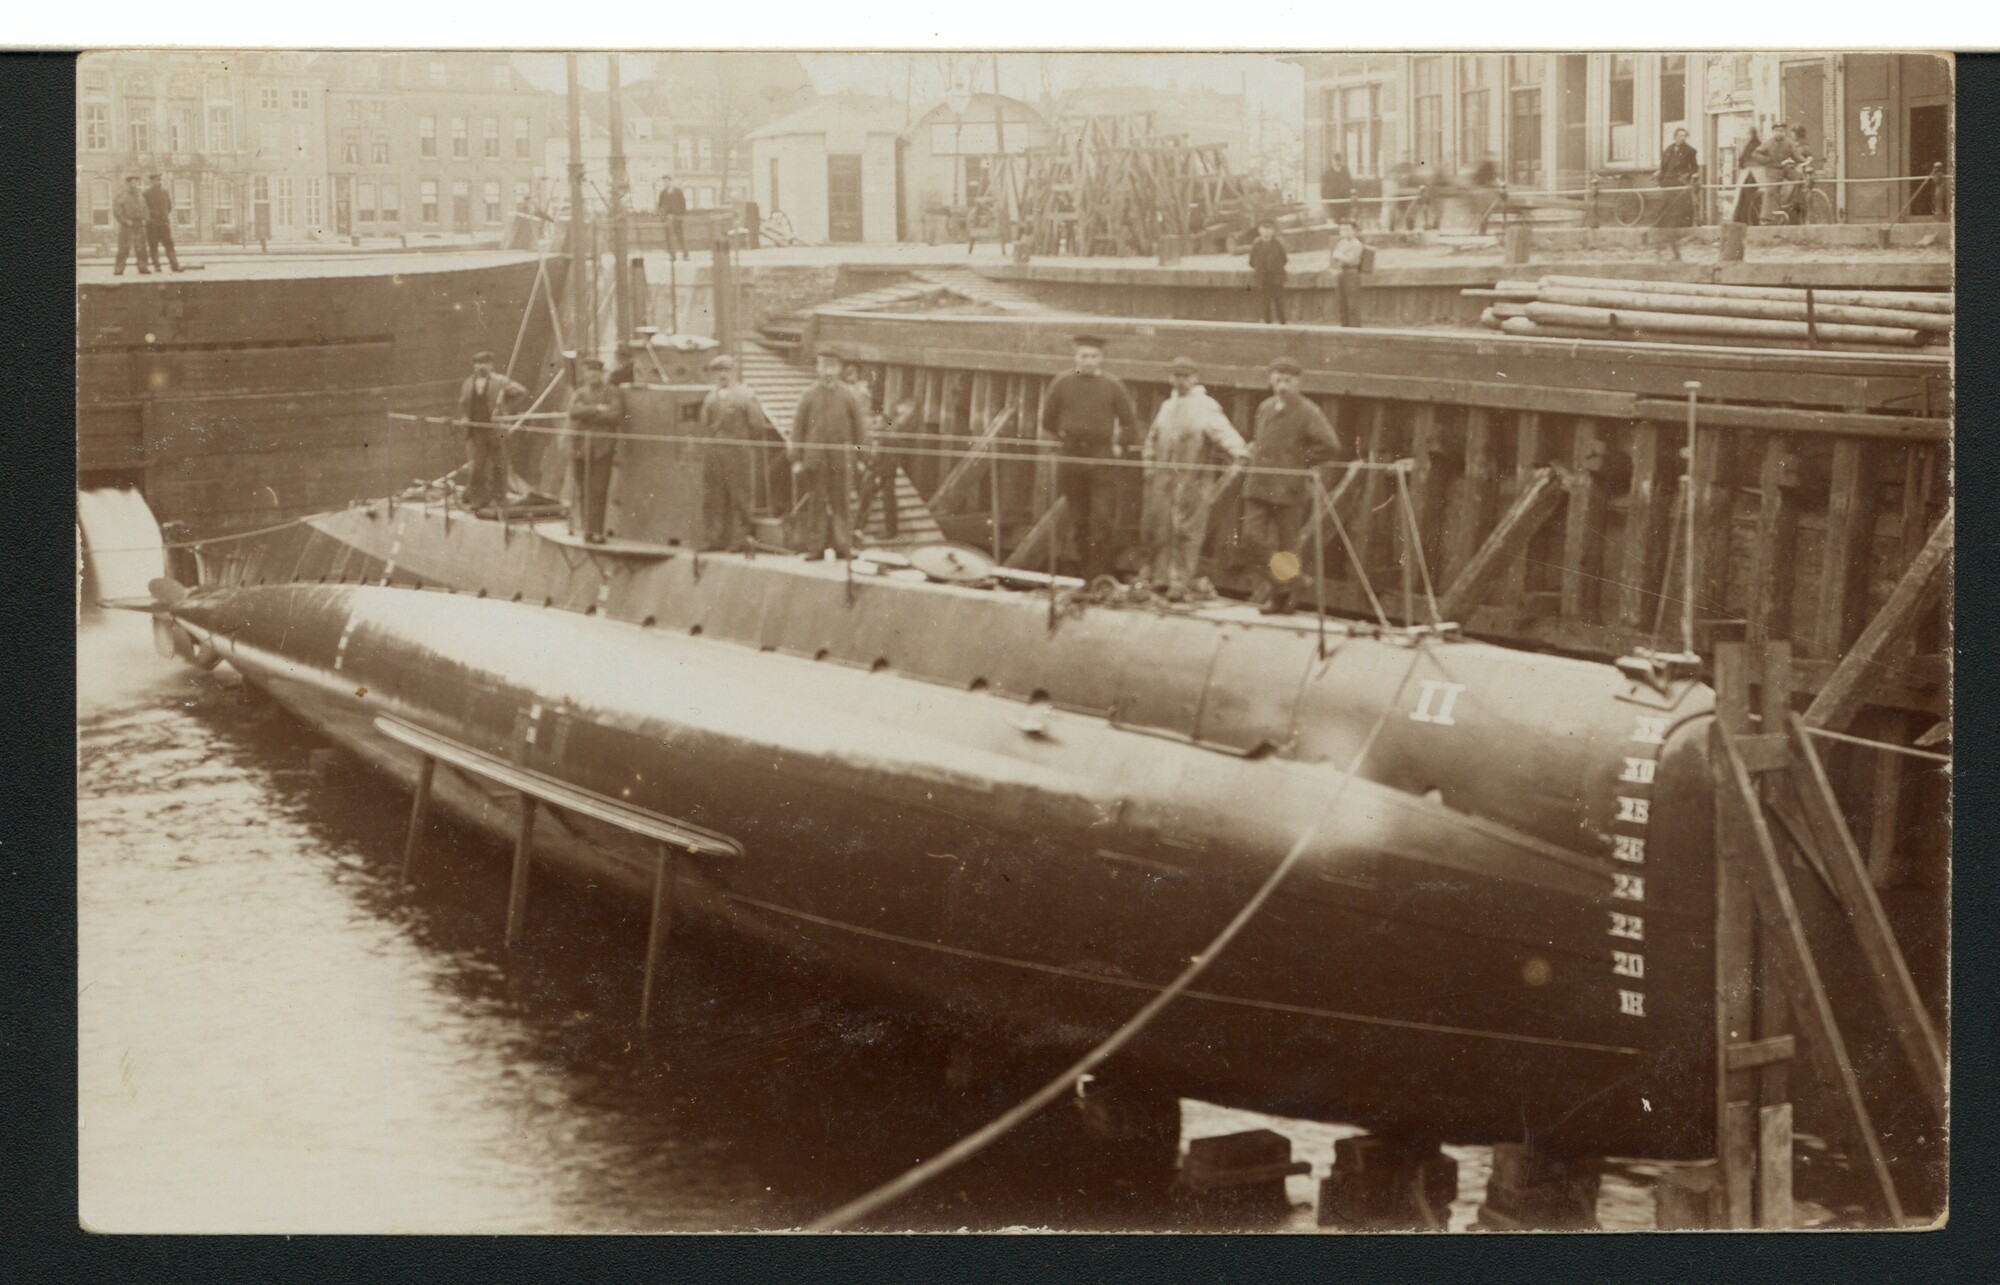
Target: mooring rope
<point>973,1143</point>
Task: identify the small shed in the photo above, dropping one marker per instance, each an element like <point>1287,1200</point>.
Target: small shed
<point>953,160</point>
<point>833,169</point>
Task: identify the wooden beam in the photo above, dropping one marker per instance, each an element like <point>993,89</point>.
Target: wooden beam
<point>1849,875</point>
<point>1534,507</point>
<point>1774,578</point>
<point>1847,689</point>
<point>1749,844</point>
<point>1847,552</point>
<point>1779,419</point>
<point>1030,549</point>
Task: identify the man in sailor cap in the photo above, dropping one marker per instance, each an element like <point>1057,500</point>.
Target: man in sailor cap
<point>1291,435</point>
<point>1091,414</point>
<point>596,419</point>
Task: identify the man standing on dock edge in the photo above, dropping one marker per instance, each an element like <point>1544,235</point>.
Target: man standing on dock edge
<point>1091,414</point>
<point>160,223</point>
<point>130,211</point>
<point>1345,258</point>
<point>480,398</point>
<point>829,428</point>
<point>596,418</point>
<point>1291,434</point>
<point>1267,270</point>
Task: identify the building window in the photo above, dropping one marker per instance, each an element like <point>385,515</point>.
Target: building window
<point>284,204</point>
<point>378,112</point>
<point>219,132</point>
<point>523,140</point>
<point>427,192</point>
<point>301,100</point>
<point>315,202</point>
<point>427,137</point>
<point>1428,78</point>
<point>1359,136</point>
<point>378,152</point>
<point>350,150</point>
<point>1475,108</point>
<point>707,151</point>
<point>392,206</point>
<point>139,127</point>
<point>267,138</point>
<point>461,203</point>
<point>225,203</point>
<point>503,77</point>
<point>461,142</point>
<point>1673,93</point>
<point>489,140</point>
<point>183,203</point>
<point>1624,120</point>
<point>364,202</point>
<point>260,203</point>
<point>100,202</point>
<point>492,195</point>
<point>521,191</point>
<point>437,73</point>
<point>684,148</point>
<point>354,112</point>
<point>180,130</point>
<point>267,98</point>
<point>1524,136</point>
<point>96,83</point>
<point>96,127</point>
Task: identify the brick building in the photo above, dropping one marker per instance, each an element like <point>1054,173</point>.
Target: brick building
<point>240,139</point>
<point>1554,121</point>
<point>431,144</point>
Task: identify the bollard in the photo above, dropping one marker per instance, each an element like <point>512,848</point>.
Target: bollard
<point>1732,241</point>
<point>1517,241</point>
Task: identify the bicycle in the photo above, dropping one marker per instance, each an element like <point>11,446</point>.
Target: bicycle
<point>1809,205</point>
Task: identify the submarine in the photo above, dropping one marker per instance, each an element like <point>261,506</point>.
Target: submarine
<point>1016,812</point>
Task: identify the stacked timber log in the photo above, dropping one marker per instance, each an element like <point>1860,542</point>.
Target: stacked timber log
<point>1559,307</point>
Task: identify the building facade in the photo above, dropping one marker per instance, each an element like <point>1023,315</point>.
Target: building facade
<point>238,138</point>
<point>1554,122</point>
<point>834,170</point>
<point>431,145</point>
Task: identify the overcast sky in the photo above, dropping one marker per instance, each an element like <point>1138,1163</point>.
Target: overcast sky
<point>1276,87</point>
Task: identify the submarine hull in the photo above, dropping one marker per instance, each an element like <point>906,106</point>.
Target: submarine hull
<point>1031,873</point>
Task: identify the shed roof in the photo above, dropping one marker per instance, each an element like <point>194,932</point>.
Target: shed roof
<point>869,113</point>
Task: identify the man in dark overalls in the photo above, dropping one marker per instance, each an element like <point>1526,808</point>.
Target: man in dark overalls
<point>1291,434</point>
<point>1091,414</point>
<point>481,398</point>
<point>160,223</point>
<point>596,418</point>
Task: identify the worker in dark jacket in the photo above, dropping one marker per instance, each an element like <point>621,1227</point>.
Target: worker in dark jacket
<point>1336,190</point>
<point>1267,270</point>
<point>731,414</point>
<point>829,429</point>
<point>1290,434</point>
<point>160,223</point>
<point>1091,414</point>
<point>596,420</point>
<point>481,398</point>
<point>673,212</point>
<point>129,209</point>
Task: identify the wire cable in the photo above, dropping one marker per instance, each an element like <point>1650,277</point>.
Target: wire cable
<point>973,1143</point>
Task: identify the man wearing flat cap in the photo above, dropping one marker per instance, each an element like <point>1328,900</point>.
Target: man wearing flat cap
<point>829,429</point>
<point>1291,436</point>
<point>481,398</point>
<point>596,421</point>
<point>1091,414</point>
<point>1189,432</point>
<point>734,422</point>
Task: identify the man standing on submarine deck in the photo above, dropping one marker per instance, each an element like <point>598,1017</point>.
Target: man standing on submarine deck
<point>1091,414</point>
<point>1291,434</point>
<point>481,398</point>
<point>596,419</point>
<point>829,428</point>
<point>730,414</point>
